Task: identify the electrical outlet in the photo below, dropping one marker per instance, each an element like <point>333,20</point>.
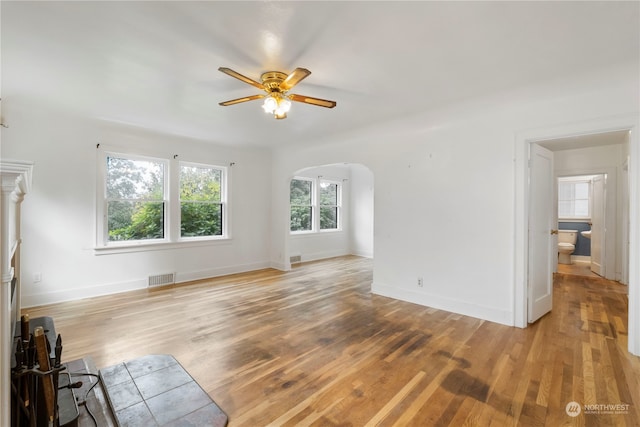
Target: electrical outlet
<point>37,277</point>
<point>420,282</point>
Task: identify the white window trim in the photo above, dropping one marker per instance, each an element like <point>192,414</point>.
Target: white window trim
<point>338,185</point>
<point>172,239</point>
<point>223,200</point>
<point>315,206</point>
<point>575,180</point>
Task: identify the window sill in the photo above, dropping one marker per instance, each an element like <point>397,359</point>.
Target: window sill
<point>158,246</point>
<point>574,219</point>
<point>302,234</point>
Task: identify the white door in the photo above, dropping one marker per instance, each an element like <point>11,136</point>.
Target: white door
<point>597,224</point>
<point>543,251</point>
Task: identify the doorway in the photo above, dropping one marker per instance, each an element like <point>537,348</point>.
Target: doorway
<point>331,212</point>
<point>581,209</point>
<point>568,135</point>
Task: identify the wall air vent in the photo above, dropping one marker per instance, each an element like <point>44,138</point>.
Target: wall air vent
<point>162,279</point>
<point>293,259</point>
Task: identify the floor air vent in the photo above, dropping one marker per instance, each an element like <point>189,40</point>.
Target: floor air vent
<point>295,258</point>
<point>162,279</point>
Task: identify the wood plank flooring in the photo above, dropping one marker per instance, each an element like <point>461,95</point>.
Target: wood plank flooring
<point>313,347</point>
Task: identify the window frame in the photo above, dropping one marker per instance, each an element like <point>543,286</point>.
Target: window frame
<point>337,206</point>
<point>316,206</point>
<point>573,181</point>
<point>172,221</point>
<point>311,205</point>
<point>106,199</point>
<point>223,202</point>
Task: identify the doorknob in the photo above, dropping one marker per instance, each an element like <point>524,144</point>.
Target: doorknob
<point>554,231</point>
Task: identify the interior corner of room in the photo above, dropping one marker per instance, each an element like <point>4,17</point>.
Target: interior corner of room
<point>467,164</point>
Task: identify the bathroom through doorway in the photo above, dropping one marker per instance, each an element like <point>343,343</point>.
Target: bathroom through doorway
<point>581,224</point>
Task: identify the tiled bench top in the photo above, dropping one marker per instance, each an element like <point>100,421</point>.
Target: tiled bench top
<point>155,390</point>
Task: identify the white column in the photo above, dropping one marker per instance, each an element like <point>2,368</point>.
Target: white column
<point>16,182</point>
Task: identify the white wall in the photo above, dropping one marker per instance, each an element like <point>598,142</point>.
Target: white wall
<point>362,215</point>
<point>445,202</point>
<point>59,215</point>
<point>604,159</point>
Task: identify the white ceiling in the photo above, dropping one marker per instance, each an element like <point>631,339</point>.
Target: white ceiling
<point>153,65</point>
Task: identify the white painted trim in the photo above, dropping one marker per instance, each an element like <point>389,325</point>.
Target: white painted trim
<point>280,266</point>
<point>44,298</point>
<point>464,308</point>
<point>315,256</point>
<point>363,254</point>
<point>217,272</point>
<point>523,140</point>
<point>634,240</point>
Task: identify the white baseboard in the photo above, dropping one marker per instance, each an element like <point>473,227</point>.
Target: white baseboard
<point>34,300</point>
<point>363,254</point>
<point>217,272</point>
<point>316,256</point>
<point>465,308</point>
<point>580,258</point>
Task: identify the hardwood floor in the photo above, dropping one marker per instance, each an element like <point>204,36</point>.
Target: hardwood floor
<point>578,268</point>
<point>313,347</point>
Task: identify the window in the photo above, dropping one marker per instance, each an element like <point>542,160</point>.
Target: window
<point>573,197</point>
<point>201,208</point>
<point>149,200</point>
<point>329,205</point>
<point>301,195</point>
<point>136,199</point>
<point>315,205</point>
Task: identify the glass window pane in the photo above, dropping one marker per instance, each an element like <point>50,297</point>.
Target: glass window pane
<point>301,219</point>
<point>200,183</point>
<point>581,208</point>
<point>582,190</point>
<point>328,218</point>
<point>200,219</point>
<point>564,208</point>
<point>131,220</point>
<point>573,199</point>
<point>328,194</point>
<point>565,191</point>
<point>134,179</point>
<point>300,193</point>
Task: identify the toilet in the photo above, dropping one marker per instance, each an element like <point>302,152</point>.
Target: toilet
<point>566,245</point>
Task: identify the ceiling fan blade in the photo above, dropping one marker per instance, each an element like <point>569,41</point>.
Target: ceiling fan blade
<point>240,77</point>
<point>313,101</point>
<point>294,78</point>
<point>239,100</point>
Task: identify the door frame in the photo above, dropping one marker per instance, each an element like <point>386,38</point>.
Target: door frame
<point>523,140</point>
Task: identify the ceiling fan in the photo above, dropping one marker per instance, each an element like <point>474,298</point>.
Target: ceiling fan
<point>276,84</point>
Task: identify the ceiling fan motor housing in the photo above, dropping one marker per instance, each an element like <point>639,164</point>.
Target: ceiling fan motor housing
<point>271,80</point>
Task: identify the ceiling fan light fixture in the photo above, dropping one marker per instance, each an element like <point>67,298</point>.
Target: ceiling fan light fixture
<point>277,84</point>
<point>284,104</point>
<point>277,104</point>
<point>270,104</point>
